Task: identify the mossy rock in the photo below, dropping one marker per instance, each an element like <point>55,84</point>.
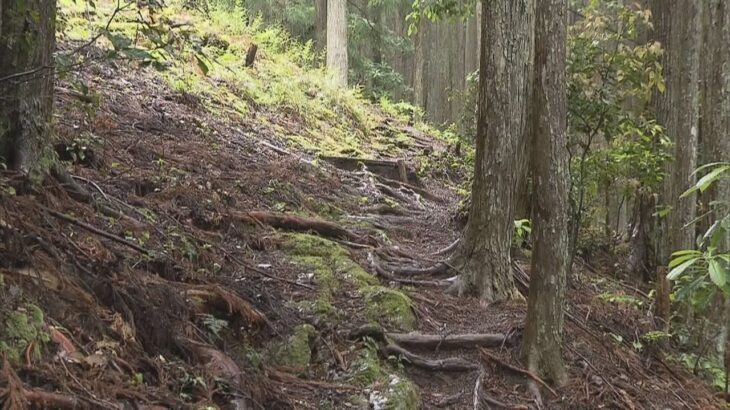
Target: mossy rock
<point>19,329</point>
<point>297,350</point>
<point>388,306</point>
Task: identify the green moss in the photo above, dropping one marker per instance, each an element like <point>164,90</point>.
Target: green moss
<point>367,370</point>
<point>329,261</point>
<point>389,306</point>
<point>19,329</point>
<point>297,350</point>
<point>321,307</point>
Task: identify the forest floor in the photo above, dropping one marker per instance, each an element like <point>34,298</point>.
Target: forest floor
<point>218,265</point>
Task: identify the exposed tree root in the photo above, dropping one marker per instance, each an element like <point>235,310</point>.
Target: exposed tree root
<point>224,299</point>
<point>386,274</point>
<point>15,396</point>
<point>447,249</point>
<point>300,224</point>
<point>455,341</point>
<point>455,364</point>
<point>452,341</point>
<point>420,191</point>
<point>490,357</point>
<point>388,348</point>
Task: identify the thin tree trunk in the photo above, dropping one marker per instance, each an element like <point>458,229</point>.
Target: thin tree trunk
<point>506,66</point>
<point>419,66</point>
<point>27,43</point>
<point>337,40</point>
<point>550,257</point>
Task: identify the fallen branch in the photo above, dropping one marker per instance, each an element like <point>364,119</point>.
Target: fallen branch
<point>454,364</point>
<point>96,230</point>
<point>490,357</point>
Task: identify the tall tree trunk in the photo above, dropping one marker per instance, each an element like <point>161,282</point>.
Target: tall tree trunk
<point>471,43</point>
<point>320,24</point>
<point>27,43</point>
<point>677,27</point>
<point>550,257</point>
<point>506,67</point>
<point>337,40</point>
<point>715,124</point>
<point>684,126</point>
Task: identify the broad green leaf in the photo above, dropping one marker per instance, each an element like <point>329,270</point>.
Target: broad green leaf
<point>674,273</point>
<point>710,165</point>
<point>686,252</point>
<point>681,259</point>
<point>711,177</point>
<point>718,273</point>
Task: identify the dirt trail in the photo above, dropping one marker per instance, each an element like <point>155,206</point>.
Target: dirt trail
<point>194,298</point>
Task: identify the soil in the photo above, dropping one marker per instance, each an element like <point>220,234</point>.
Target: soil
<point>135,326</point>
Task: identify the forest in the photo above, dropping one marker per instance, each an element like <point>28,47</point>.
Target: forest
<point>364,204</point>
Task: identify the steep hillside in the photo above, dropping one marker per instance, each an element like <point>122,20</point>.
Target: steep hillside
<point>252,237</point>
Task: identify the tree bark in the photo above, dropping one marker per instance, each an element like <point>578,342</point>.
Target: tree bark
<point>320,24</point>
<point>27,43</point>
<point>715,126</point>
<point>506,67</point>
<point>550,263</point>
<point>678,29</point>
<point>337,40</point>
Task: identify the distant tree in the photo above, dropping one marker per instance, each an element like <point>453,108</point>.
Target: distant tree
<point>678,26</point>
<point>320,24</point>
<point>27,43</point>
<point>504,84</point>
<point>549,165</point>
<point>337,40</point>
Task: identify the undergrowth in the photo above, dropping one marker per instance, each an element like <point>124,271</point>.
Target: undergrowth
<point>204,57</point>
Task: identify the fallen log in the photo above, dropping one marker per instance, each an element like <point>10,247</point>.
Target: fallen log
<point>394,170</point>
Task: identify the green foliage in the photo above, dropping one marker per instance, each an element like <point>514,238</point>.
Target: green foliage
<point>522,231</point>
<point>19,329</point>
<point>712,370</point>
<point>702,271</point>
<point>614,141</point>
